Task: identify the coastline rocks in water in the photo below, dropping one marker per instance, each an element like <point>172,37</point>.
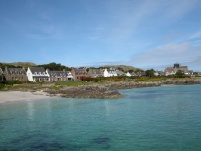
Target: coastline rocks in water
<point>89,92</point>
<point>109,90</point>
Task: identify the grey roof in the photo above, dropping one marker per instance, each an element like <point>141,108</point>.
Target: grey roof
<point>96,71</point>
<point>170,69</point>
<point>111,70</point>
<point>120,72</point>
<point>80,70</point>
<point>16,70</point>
<point>37,69</point>
<point>183,68</point>
<point>59,73</point>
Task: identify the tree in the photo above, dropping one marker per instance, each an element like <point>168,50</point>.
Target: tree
<point>55,66</point>
<point>180,74</point>
<point>150,73</point>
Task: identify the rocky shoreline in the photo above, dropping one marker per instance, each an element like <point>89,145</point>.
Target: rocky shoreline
<point>110,90</point>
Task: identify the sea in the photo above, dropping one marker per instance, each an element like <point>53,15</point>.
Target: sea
<point>166,118</point>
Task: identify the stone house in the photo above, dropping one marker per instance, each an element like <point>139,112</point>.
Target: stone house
<point>94,73</point>
<point>79,73</point>
<point>1,75</point>
<point>59,75</point>
<point>173,70</point>
<point>15,74</point>
<point>37,74</point>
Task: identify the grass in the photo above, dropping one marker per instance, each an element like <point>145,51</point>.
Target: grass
<point>150,79</point>
<point>2,87</point>
<point>73,83</point>
<point>59,85</point>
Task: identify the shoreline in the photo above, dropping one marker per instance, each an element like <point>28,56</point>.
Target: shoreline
<point>18,96</point>
<point>110,90</point>
<point>102,91</point>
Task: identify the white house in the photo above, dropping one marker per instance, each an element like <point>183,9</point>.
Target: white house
<point>156,73</point>
<point>170,71</point>
<point>109,73</point>
<point>128,74</point>
<point>37,74</point>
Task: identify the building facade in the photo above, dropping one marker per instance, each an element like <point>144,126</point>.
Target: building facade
<point>1,75</point>
<point>109,72</point>
<point>37,74</point>
<point>15,74</point>
<point>79,74</point>
<point>173,70</point>
<point>59,75</point>
<point>94,73</point>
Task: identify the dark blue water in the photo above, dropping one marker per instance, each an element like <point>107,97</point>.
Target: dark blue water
<point>161,118</point>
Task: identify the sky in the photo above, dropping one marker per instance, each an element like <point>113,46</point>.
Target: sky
<point>141,33</point>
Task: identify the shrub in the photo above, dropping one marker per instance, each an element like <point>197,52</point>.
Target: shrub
<point>1,86</point>
<point>12,82</point>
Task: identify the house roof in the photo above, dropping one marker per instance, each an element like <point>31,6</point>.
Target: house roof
<point>120,72</point>
<point>170,69</point>
<point>80,70</point>
<point>183,68</point>
<point>59,73</point>
<point>16,70</point>
<point>111,70</point>
<point>37,69</point>
<point>96,71</point>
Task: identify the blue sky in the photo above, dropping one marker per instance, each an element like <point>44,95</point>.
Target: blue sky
<point>141,33</point>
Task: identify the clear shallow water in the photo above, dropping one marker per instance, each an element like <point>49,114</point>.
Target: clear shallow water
<point>160,118</point>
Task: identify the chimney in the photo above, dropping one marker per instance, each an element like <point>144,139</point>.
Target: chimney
<point>6,69</point>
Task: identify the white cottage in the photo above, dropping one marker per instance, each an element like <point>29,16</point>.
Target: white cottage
<point>37,74</point>
<point>110,73</point>
<point>128,74</point>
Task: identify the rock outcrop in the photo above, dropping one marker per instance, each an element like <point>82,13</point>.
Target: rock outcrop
<point>110,90</point>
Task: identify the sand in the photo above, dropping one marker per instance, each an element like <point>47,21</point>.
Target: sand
<point>14,96</point>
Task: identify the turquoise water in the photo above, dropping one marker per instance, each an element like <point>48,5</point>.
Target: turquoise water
<point>160,118</point>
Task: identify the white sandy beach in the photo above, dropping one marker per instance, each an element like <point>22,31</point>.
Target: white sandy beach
<point>13,96</point>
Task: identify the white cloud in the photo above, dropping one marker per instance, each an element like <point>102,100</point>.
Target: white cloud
<point>168,54</point>
<point>197,34</point>
<point>134,23</point>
